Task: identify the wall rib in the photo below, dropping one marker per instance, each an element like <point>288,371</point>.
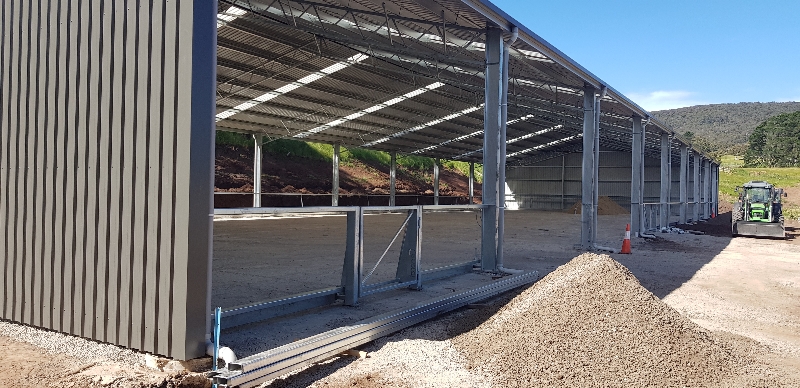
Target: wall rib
<point>102,134</point>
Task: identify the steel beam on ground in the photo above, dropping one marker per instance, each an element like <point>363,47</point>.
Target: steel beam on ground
<point>257,161</point>
<point>436,181</point>
<point>587,169</point>
<point>335,180</point>
<point>491,130</point>
<point>637,172</point>
<point>471,182</point>
<point>392,178</point>
<point>666,180</point>
<point>696,194</point>
<point>684,170</point>
<point>253,370</point>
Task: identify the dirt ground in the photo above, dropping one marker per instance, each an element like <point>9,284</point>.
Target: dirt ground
<point>744,291</point>
<point>32,366</point>
<point>720,226</point>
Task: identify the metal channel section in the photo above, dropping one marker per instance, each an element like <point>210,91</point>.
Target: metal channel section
<point>587,170</point>
<point>665,179</point>
<point>684,184</point>
<point>257,163</point>
<point>392,178</point>
<point>335,176</point>
<point>354,280</point>
<point>258,368</point>
<point>637,175</point>
<point>696,191</point>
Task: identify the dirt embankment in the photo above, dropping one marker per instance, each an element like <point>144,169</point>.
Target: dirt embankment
<point>291,174</point>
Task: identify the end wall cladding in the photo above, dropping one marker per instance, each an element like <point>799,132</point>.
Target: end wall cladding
<point>106,156</point>
<point>540,186</point>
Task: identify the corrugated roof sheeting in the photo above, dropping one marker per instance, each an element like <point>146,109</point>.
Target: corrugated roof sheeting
<point>266,45</point>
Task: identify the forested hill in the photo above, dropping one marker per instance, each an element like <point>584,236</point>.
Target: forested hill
<point>724,125</point>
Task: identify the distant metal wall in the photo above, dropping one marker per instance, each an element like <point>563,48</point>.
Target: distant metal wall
<point>555,184</point>
<point>106,162</point>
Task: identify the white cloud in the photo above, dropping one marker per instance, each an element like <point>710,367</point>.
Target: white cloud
<point>665,99</point>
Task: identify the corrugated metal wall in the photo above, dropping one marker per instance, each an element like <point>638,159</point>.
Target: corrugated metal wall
<point>106,156</point>
<point>540,186</point>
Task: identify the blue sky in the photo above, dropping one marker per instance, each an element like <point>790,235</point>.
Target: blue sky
<point>674,53</point>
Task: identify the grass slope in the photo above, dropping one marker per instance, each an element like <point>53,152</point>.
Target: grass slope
<point>319,151</point>
<point>732,174</point>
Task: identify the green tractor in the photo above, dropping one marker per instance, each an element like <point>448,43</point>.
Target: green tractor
<point>758,211</point>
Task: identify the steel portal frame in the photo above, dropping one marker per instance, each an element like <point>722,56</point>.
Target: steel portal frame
<point>274,43</point>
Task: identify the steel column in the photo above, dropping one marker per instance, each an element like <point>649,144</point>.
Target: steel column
<point>707,189</point>
<point>409,265</point>
<point>563,175</point>
<point>696,194</point>
<point>596,167</point>
<point>501,156</point>
<point>637,172</point>
<point>392,178</point>
<point>666,180</point>
<point>436,181</point>
<point>259,141</point>
<point>715,190</point>
<point>353,257</point>
<point>335,180</point>
<point>491,133</point>
<point>587,169</point>
<point>684,170</point>
<point>471,183</point>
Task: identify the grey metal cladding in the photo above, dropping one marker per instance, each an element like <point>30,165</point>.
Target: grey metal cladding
<point>106,156</point>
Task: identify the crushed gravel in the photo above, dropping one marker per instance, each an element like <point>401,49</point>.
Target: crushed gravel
<point>605,207</point>
<point>590,323</point>
<point>82,349</point>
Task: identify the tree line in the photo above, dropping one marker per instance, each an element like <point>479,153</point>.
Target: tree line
<point>775,142</point>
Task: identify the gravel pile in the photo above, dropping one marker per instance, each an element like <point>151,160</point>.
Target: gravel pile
<point>590,323</point>
<point>605,207</point>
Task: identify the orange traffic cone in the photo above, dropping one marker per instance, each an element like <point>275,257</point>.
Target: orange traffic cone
<point>626,243</point>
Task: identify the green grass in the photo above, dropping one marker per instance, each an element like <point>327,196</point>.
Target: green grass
<point>233,138</point>
<point>319,151</point>
<point>732,174</point>
<point>732,161</point>
<point>729,178</point>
